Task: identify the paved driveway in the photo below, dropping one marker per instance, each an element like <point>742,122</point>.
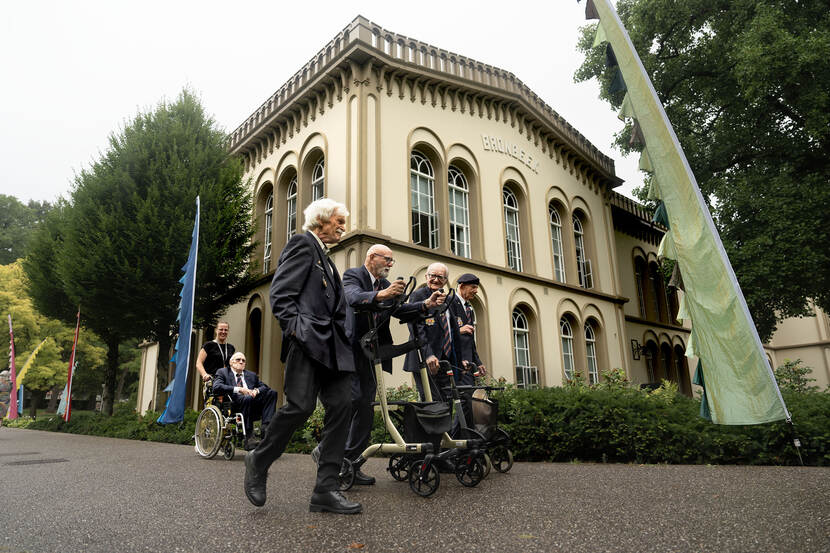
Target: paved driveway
<point>63,492</point>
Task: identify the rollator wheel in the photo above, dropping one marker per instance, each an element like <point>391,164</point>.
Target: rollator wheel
<point>346,477</point>
<point>488,465</point>
<point>424,478</point>
<point>229,450</point>
<point>208,432</point>
<point>399,467</point>
<point>502,458</point>
<point>470,470</point>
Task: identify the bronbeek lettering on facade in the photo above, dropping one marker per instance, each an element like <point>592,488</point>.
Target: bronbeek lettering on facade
<point>495,144</point>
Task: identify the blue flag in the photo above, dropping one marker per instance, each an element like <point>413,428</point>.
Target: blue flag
<point>174,410</point>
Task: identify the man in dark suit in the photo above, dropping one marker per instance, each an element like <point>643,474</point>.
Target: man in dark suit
<point>438,335</point>
<point>364,285</point>
<point>308,300</point>
<point>465,317</point>
<point>250,396</point>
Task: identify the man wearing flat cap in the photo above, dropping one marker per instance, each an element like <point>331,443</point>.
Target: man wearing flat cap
<point>465,317</point>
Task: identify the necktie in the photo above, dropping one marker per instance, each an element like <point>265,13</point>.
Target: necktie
<point>447,346</point>
<point>239,381</point>
<point>469,310</point>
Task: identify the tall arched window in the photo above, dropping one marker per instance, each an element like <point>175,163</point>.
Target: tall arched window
<point>318,183</point>
<point>567,336</point>
<point>655,278</point>
<point>639,280</point>
<point>583,264</point>
<point>269,224</point>
<point>666,363</point>
<point>459,196</point>
<point>291,208</point>
<point>591,353</point>
<point>511,228</point>
<point>556,239</point>
<point>526,375</point>
<point>422,188</point>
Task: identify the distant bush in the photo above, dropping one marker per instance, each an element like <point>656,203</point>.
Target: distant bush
<point>609,422</point>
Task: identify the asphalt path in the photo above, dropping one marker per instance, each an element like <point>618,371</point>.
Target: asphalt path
<point>63,492</point>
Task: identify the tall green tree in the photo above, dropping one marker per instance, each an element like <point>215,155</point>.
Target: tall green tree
<point>17,222</point>
<point>746,85</point>
<point>117,248</point>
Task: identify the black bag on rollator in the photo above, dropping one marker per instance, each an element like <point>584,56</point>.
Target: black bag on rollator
<point>426,422</point>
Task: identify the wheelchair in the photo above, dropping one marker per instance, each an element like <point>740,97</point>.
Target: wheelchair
<point>218,428</point>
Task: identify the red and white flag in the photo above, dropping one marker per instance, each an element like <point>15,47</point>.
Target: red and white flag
<point>71,371</point>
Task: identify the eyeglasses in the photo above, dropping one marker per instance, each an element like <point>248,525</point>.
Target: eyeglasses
<point>436,277</point>
<point>389,260</point>
<point>240,360</point>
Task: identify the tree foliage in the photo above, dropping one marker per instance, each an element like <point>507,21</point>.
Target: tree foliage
<point>118,246</point>
<point>49,367</point>
<point>17,221</point>
<point>746,85</point>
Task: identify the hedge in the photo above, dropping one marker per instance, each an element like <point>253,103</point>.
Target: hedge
<point>606,423</point>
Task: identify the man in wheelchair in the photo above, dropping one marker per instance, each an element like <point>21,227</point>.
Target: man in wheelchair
<point>250,396</point>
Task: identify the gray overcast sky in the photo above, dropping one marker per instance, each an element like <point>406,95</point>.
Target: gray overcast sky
<point>73,72</point>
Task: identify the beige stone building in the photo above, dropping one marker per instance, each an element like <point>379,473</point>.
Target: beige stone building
<point>448,159</point>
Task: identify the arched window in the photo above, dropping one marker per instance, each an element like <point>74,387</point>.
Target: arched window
<point>511,227</point>
<point>526,375</point>
<point>658,294</point>
<point>269,224</point>
<point>556,238</point>
<point>567,336</point>
<point>666,363</point>
<point>318,183</point>
<point>422,188</point>
<point>639,279</point>
<point>291,208</point>
<point>583,264</point>
<point>459,194</point>
<point>591,353</point>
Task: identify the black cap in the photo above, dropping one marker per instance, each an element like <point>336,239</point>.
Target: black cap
<point>468,278</point>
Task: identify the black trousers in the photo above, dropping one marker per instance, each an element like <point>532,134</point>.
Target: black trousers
<point>364,390</point>
<point>253,408</point>
<point>305,379</point>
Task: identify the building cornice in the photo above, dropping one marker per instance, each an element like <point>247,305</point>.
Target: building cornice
<point>647,322</point>
<point>364,53</point>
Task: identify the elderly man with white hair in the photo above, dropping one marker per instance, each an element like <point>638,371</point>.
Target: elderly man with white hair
<point>439,335</point>
<point>308,300</point>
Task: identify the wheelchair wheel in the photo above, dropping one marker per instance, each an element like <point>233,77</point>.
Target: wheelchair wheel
<point>502,458</point>
<point>424,478</point>
<point>470,469</point>
<point>228,450</point>
<point>346,476</point>
<point>209,432</point>
<point>399,467</point>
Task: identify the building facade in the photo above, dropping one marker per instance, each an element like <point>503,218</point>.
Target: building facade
<point>447,159</point>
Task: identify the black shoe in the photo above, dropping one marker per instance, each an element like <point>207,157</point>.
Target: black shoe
<point>250,444</point>
<point>333,502</point>
<point>363,479</point>
<point>255,481</point>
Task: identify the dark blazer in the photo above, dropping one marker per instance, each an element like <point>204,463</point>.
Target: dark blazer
<point>357,283</point>
<point>430,333</point>
<point>225,381</point>
<point>466,346</point>
<point>307,299</point>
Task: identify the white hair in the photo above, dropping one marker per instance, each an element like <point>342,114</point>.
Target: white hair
<point>321,211</point>
<point>439,265</point>
<point>236,356</point>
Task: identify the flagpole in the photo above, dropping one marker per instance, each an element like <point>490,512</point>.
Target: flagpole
<point>70,373</point>
<point>12,413</point>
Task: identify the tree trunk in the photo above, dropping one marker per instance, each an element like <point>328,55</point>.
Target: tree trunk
<point>163,366</point>
<point>34,396</point>
<point>53,401</point>
<point>109,377</point>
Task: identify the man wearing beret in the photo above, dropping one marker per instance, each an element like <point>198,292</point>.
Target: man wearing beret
<point>462,311</point>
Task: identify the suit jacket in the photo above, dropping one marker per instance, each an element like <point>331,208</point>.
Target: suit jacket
<point>225,381</point>
<point>431,335</point>
<point>466,346</point>
<point>357,283</point>
<point>307,299</point>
